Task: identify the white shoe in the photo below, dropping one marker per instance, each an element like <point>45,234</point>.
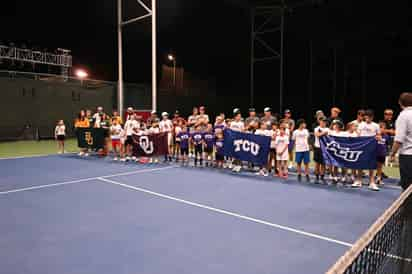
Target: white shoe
<point>374,187</point>
<point>134,158</point>
<point>357,183</point>
<point>86,154</point>
<point>230,166</point>
<point>151,161</point>
<point>115,159</point>
<point>81,153</point>
<point>290,166</point>
<point>265,174</point>
<point>156,161</point>
<point>123,160</point>
<point>127,158</point>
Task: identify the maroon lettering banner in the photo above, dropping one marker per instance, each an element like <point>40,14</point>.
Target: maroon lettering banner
<point>150,145</point>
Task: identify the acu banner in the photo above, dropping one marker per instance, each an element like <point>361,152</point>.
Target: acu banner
<point>247,147</point>
<point>92,138</point>
<point>150,145</point>
<point>353,153</point>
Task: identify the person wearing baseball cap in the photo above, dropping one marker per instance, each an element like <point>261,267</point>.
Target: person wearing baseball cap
<point>268,118</point>
<point>203,118</point>
<point>152,119</point>
<point>166,126</point>
<point>252,122</point>
<point>236,125</point>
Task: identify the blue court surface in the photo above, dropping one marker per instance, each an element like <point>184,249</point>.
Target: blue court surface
<point>65,214</point>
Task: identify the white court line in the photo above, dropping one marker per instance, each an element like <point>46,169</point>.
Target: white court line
<point>35,156</point>
<point>82,180</point>
<point>229,213</point>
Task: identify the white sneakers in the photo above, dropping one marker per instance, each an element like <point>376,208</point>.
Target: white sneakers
<point>357,183</point>
<point>374,187</point>
<point>237,169</point>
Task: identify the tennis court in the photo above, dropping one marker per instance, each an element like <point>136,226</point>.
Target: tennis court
<point>65,214</point>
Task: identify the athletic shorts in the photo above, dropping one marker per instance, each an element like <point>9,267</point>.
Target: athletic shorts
<point>209,150</point>
<point>318,156</point>
<point>380,159</point>
<point>198,148</point>
<point>106,133</point>
<point>291,144</point>
<point>405,168</point>
<point>302,157</point>
<point>220,157</point>
<point>184,151</point>
<point>129,140</point>
<point>60,137</point>
<point>115,142</point>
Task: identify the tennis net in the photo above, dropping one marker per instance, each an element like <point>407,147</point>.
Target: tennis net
<point>386,248</point>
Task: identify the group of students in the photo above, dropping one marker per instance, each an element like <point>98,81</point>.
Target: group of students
<point>197,139</point>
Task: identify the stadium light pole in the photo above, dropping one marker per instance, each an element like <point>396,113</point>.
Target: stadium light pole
<point>120,94</point>
<point>154,55</point>
<point>120,24</point>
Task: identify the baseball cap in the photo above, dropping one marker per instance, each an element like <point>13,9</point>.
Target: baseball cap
<point>177,112</point>
<point>165,114</point>
<point>129,109</point>
<point>252,110</point>
<point>287,111</point>
<point>236,111</point>
<point>267,109</point>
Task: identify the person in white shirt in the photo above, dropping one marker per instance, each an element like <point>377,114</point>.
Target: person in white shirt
<point>281,149</point>
<point>301,138</point>
<point>368,128</point>
<point>130,127</point>
<point>166,126</point>
<point>272,164</point>
<point>403,140</point>
<point>359,118</point>
<point>60,135</point>
<point>337,130</point>
<point>115,135</point>
<point>236,125</point>
<point>264,131</point>
<point>320,167</point>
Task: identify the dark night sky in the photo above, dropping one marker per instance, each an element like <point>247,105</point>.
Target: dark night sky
<point>211,39</point>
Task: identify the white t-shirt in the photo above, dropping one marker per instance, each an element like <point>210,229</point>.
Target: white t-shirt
<point>116,132</point>
<point>178,129</point>
<point>322,130</point>
<point>154,130</point>
<point>356,122</point>
<point>368,130</point>
<point>264,132</point>
<point>237,126</point>
<point>166,126</point>
<point>301,140</point>
<point>130,126</point>
<point>338,134</point>
<point>280,143</point>
<point>352,134</point>
<point>60,130</point>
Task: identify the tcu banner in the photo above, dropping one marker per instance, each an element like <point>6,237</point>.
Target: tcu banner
<point>246,147</point>
<point>150,145</point>
<point>353,153</point>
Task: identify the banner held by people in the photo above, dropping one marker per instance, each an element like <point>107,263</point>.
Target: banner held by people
<point>353,153</point>
<point>92,138</point>
<point>247,147</point>
<point>150,145</point>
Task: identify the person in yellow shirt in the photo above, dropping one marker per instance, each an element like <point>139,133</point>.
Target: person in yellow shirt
<point>82,122</point>
<point>117,117</point>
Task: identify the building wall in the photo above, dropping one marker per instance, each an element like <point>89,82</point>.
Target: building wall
<point>31,107</point>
